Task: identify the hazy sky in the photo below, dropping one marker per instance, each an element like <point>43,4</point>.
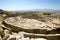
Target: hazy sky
<point>29,4</point>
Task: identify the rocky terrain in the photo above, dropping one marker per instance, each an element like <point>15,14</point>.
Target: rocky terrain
<point>30,27</point>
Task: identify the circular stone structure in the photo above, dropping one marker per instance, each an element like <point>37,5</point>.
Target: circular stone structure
<point>28,25</point>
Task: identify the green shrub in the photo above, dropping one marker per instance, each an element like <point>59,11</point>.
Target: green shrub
<point>46,13</point>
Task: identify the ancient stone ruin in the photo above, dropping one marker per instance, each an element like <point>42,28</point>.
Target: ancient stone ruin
<point>29,29</point>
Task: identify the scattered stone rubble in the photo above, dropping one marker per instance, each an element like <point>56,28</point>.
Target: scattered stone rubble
<point>25,23</point>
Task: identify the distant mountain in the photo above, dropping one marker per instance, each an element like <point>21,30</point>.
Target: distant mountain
<point>46,10</point>
<point>40,10</point>
<point>34,10</point>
